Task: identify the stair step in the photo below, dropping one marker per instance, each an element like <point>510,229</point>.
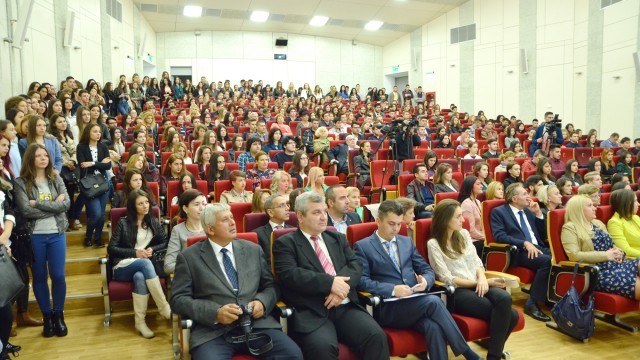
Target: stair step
<point>76,238</point>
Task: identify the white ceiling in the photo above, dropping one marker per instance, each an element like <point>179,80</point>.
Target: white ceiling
<point>346,17</point>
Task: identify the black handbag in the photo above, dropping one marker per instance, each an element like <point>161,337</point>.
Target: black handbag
<point>12,283</point>
<point>93,185</point>
<point>70,177</point>
<point>572,316</point>
<point>158,262</point>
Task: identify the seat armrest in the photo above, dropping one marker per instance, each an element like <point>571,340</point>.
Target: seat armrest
<point>442,288</point>
<point>369,299</point>
<point>185,323</point>
<point>497,274</point>
<point>282,310</point>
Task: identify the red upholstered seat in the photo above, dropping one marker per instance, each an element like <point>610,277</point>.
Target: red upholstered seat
<point>448,195</point>
<point>496,258</point>
<point>405,341</point>
<point>381,173</point>
<point>223,185</point>
<point>562,272</point>
<point>238,210</point>
<point>403,181</point>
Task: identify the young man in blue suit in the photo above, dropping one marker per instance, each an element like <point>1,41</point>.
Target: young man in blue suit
<point>392,267</point>
<point>520,222</point>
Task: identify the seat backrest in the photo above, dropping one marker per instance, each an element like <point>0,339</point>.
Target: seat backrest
<point>238,210</point>
<point>468,164</point>
<point>422,234</point>
<point>604,198</point>
<point>583,155</point>
<point>444,153</point>
<point>381,170</point>
<point>357,232</point>
<point>500,176</point>
<point>117,213</point>
<point>604,213</point>
<point>352,155</point>
<point>193,169</point>
<point>487,207</point>
<point>403,181</point>
<point>446,195</point>
<point>567,154</point>
<point>408,164</point>
<point>330,180</point>
<point>555,220</point>
<point>458,177</point>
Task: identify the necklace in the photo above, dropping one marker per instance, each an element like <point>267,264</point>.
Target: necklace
<point>186,225</point>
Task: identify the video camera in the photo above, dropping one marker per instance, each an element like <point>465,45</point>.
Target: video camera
<point>551,126</point>
<point>397,126</point>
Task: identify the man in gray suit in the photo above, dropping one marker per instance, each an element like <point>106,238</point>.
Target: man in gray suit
<point>215,276</point>
<point>277,207</point>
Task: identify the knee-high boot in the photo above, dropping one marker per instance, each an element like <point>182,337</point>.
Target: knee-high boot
<point>158,296</point>
<point>140,310</point>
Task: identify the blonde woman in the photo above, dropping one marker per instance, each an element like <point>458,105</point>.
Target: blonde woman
<point>316,181</point>
<point>281,183</point>
<point>495,191</point>
<point>321,144</point>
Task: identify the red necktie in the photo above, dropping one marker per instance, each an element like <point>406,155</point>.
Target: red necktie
<point>326,265</point>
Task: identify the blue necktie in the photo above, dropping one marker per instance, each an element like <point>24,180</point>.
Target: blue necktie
<point>229,269</point>
<point>523,226</point>
<point>392,253</point>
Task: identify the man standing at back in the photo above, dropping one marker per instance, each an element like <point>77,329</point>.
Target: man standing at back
<point>318,273</point>
<point>520,222</point>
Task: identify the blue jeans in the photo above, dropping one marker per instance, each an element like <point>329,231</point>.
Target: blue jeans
<point>123,107</point>
<point>49,252</point>
<point>138,271</point>
<point>95,213</point>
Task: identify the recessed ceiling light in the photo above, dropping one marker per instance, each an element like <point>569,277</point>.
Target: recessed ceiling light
<point>259,16</point>
<point>373,25</point>
<point>318,20</point>
<point>192,11</point>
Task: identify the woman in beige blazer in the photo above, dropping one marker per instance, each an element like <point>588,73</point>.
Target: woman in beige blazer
<point>585,239</point>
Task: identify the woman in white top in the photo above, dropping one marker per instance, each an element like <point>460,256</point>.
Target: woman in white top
<point>473,152</point>
<point>134,241</point>
<point>455,262</point>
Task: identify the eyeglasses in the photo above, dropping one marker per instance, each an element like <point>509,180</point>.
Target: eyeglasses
<point>304,158</point>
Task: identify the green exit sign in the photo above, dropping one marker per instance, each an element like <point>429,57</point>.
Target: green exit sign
<point>395,68</point>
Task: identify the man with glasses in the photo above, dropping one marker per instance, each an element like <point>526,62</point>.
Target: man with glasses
<point>356,130</point>
<point>277,207</point>
<point>290,147</point>
<point>520,222</point>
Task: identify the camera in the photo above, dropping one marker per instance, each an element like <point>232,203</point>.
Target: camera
<point>397,126</point>
<point>244,322</point>
<point>552,125</point>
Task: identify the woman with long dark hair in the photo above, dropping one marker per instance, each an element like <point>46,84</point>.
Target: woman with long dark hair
<point>42,202</point>
<point>191,202</point>
<point>37,133</point>
<point>134,241</point>
<point>455,262</point>
<point>93,158</point>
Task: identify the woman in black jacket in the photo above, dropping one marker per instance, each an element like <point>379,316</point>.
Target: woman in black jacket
<point>93,157</point>
<point>134,241</point>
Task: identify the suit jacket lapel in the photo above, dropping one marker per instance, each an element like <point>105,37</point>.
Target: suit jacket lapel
<point>212,263</point>
<point>383,252</point>
<point>513,217</point>
<point>307,250</point>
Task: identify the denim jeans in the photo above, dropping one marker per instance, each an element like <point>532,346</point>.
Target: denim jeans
<point>96,209</point>
<point>138,271</point>
<point>49,252</point>
<point>123,107</point>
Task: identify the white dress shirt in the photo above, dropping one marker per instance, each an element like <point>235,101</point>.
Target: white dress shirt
<point>217,251</point>
<point>515,211</point>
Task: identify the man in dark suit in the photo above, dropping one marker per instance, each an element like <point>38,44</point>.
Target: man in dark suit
<point>318,273</point>
<point>421,190</point>
<point>208,288</point>
<point>393,268</point>
<point>339,155</point>
<point>520,222</point>
<point>277,207</point>
<point>338,209</point>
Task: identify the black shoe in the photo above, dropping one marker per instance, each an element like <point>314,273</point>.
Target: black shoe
<point>48,330</point>
<point>59,326</point>
<point>87,243</point>
<point>13,349</point>
<point>535,312</point>
<point>98,243</point>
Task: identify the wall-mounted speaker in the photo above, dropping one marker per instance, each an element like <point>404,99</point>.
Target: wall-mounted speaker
<point>143,43</point>
<point>636,61</point>
<point>524,61</point>
<point>282,42</point>
<point>69,29</point>
<point>24,17</point>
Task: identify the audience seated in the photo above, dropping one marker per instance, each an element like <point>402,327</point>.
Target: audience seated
<point>207,291</point>
<point>238,194</point>
<point>624,225</point>
<point>520,222</point>
<point>472,210</point>
<point>513,169</point>
<point>277,208</point>
<point>191,203</point>
<point>422,191</point>
<point>495,190</point>
<point>316,181</point>
<point>585,239</point>
<point>405,274</point>
<point>260,169</point>
<point>455,261</point>
<point>134,241</point>
<point>549,198</point>
<point>443,179</point>
<point>338,214</point>
<point>339,155</point>
<point>289,146</point>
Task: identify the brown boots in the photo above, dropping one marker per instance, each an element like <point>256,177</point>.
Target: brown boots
<point>24,319</point>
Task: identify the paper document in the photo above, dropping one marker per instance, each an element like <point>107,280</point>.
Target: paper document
<point>406,297</point>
